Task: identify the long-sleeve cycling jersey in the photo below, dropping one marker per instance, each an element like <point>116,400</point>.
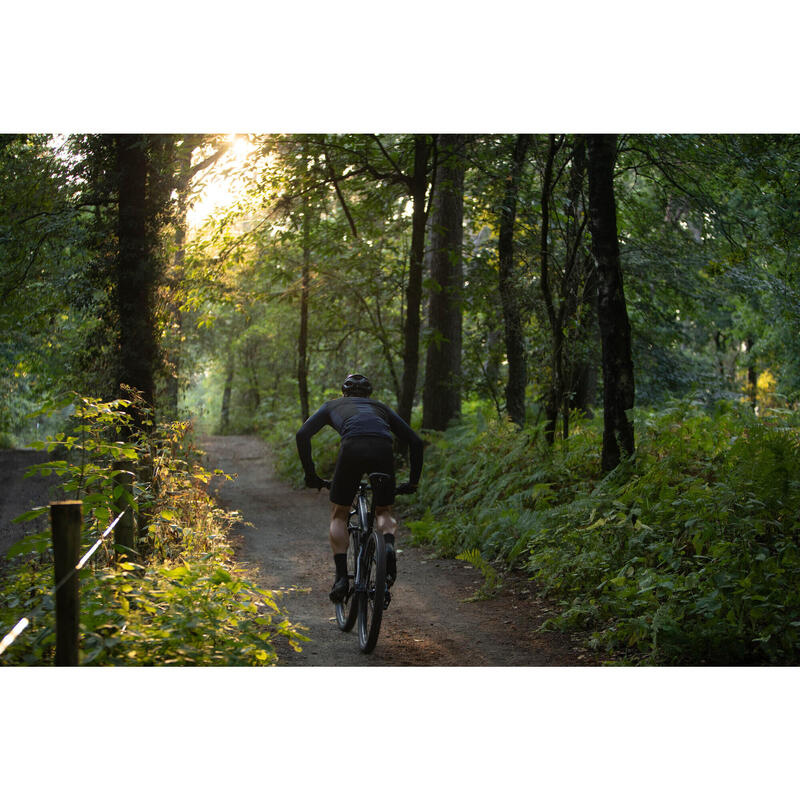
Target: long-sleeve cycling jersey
<point>359,416</point>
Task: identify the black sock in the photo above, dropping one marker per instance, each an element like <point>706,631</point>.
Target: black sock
<point>388,538</point>
<point>340,559</point>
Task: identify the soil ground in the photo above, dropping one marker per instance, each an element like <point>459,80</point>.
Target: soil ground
<point>283,543</point>
<point>19,494</point>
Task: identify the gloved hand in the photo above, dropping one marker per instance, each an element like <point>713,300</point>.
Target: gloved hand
<point>313,481</point>
<point>406,488</point>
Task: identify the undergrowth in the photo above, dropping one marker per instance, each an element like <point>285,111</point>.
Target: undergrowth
<point>179,599</point>
<point>686,555</point>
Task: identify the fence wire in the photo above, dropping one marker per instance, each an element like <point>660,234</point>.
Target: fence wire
<point>11,636</point>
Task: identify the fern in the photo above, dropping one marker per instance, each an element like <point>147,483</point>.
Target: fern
<point>687,555</point>
<point>491,580</point>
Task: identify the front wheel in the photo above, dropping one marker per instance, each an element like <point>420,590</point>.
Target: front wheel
<point>370,600</point>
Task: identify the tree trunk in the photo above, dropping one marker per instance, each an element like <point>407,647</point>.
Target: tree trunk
<point>135,271</point>
<point>612,313</point>
<point>225,411</point>
<point>561,283</point>
<point>579,372</point>
<point>752,374</point>
<point>442,390</point>
<point>584,387</point>
<point>183,168</point>
<point>251,370</point>
<point>494,357</point>
<point>719,342</point>
<point>414,288</point>
<point>554,393</point>
<point>509,294</point>
<point>583,375</point>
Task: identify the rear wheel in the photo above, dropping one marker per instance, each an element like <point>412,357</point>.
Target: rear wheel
<point>347,610</point>
<point>370,601</point>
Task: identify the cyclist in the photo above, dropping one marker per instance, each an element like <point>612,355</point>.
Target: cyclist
<point>366,427</point>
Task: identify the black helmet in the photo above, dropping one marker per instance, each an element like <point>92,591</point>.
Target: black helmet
<point>356,385</point>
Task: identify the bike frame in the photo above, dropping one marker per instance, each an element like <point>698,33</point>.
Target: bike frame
<point>366,518</point>
<point>368,595</point>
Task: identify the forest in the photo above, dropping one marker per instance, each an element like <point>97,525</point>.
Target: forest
<point>596,335</point>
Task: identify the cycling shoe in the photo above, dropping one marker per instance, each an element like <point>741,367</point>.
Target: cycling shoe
<point>339,590</point>
<point>391,564</point>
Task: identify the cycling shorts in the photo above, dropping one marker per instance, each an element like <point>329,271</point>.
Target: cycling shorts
<point>360,455</point>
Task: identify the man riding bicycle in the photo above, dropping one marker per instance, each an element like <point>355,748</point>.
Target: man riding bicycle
<point>366,427</point>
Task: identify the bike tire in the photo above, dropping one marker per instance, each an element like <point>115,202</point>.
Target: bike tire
<point>347,610</point>
<point>370,600</point>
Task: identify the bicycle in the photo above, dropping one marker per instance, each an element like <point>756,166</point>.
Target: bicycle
<point>367,595</point>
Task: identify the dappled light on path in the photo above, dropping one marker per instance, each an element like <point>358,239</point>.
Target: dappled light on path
<point>283,543</point>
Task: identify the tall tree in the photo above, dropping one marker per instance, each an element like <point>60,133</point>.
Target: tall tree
<point>385,162</point>
<point>441,397</point>
<point>509,294</point>
<point>612,312</point>
<point>578,291</point>
<point>136,272</point>
<point>565,264</point>
<point>418,185</point>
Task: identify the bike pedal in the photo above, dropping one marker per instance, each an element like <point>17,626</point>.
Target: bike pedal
<point>387,598</point>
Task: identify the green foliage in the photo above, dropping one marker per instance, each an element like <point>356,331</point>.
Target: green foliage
<point>704,225</point>
<point>708,230</point>
<point>281,438</point>
<point>89,453</point>
<point>356,280</point>
<point>179,599</point>
<point>44,313</point>
<point>491,580</point>
<point>185,613</point>
<point>705,243</point>
<point>688,555</point>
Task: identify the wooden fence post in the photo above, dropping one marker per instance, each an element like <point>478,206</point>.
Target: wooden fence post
<point>124,532</point>
<point>66,520</point>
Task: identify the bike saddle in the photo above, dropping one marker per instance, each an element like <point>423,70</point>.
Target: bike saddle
<point>379,480</point>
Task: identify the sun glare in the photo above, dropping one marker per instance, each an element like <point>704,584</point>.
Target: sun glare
<point>224,182</point>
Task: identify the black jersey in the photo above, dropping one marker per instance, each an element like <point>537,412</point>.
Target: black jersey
<point>359,416</point>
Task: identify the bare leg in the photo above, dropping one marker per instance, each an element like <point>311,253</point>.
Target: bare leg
<point>384,520</point>
<point>338,536</point>
<point>387,524</point>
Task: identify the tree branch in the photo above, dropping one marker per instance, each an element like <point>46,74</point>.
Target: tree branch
<point>207,162</point>
<point>387,156</point>
<point>332,176</point>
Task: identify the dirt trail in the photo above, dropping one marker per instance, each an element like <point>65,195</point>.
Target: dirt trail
<point>19,494</point>
<point>427,623</point>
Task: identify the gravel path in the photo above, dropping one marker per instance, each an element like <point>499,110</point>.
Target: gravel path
<point>428,622</point>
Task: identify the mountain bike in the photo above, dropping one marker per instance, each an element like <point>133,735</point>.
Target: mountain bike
<point>367,595</point>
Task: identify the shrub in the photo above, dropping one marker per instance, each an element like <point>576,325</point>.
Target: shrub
<point>687,554</point>
<point>180,599</point>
